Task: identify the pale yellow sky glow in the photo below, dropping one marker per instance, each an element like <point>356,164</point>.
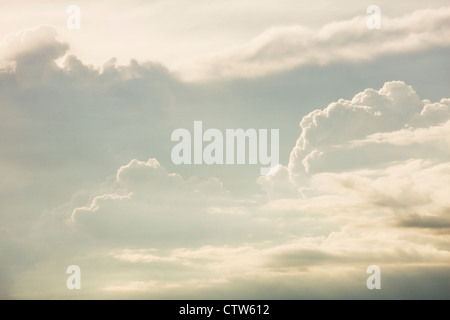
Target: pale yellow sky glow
<point>175,32</point>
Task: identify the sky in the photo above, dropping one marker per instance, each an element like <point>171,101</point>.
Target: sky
<point>87,177</point>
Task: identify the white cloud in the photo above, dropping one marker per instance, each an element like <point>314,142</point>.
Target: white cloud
<point>25,43</point>
<point>411,187</point>
<point>287,47</point>
<point>18,53</point>
<point>369,130</point>
<point>146,203</point>
<point>437,135</point>
<point>355,160</point>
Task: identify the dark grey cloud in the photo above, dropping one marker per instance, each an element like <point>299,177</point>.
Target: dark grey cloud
<point>440,223</point>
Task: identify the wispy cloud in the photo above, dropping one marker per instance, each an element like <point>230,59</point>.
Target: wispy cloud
<point>287,47</point>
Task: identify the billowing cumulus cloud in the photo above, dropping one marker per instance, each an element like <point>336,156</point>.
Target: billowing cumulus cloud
<point>381,152</point>
<point>392,123</point>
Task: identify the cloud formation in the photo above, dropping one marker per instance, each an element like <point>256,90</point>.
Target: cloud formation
<point>286,47</point>
<point>384,154</point>
<point>322,227</point>
<point>386,120</point>
<point>86,181</point>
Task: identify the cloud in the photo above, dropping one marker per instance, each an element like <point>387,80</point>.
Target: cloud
<point>146,203</point>
<point>414,186</point>
<point>40,42</point>
<point>326,223</point>
<point>287,47</point>
<point>417,221</point>
<point>374,129</point>
<point>367,182</point>
<point>382,155</point>
<point>386,216</point>
<point>32,54</point>
<point>370,129</point>
<point>374,171</point>
<point>325,261</point>
<point>410,136</point>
